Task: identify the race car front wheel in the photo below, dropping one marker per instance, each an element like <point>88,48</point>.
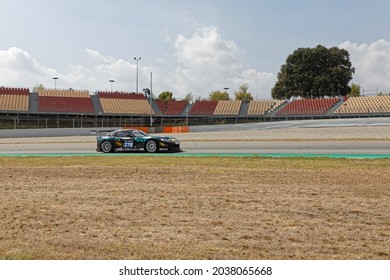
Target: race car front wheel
<point>151,146</point>
<point>106,147</point>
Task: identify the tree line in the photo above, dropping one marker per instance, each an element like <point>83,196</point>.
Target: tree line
<point>241,94</point>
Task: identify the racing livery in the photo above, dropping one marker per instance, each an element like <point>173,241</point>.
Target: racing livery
<point>125,140</point>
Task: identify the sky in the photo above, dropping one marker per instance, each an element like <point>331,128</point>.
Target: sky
<point>190,46</point>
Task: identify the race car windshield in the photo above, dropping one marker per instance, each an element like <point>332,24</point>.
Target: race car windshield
<point>139,133</point>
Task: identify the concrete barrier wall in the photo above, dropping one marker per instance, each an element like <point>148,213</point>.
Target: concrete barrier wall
<point>145,129</point>
<point>176,129</point>
<point>58,132</point>
<point>50,132</point>
<point>165,129</point>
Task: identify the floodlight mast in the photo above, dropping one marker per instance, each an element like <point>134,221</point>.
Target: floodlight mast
<point>151,119</point>
<point>111,81</point>
<point>136,83</point>
<point>55,82</point>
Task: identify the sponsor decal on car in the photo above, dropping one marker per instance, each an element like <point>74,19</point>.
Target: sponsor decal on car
<point>118,143</point>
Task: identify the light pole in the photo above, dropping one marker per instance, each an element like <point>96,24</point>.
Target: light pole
<point>111,81</point>
<point>151,92</point>
<point>55,82</point>
<point>136,83</point>
<point>187,115</point>
<point>226,89</point>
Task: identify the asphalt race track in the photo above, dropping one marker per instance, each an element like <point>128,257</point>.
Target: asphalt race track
<point>278,148</point>
<point>302,138</point>
<point>290,147</point>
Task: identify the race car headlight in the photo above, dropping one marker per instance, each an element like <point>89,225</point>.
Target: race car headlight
<point>170,140</point>
<point>163,144</point>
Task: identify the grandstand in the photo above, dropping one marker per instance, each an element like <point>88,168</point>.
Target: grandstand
<point>227,108</point>
<point>203,107</point>
<point>318,106</point>
<point>64,101</point>
<point>365,105</point>
<point>22,108</point>
<point>261,107</point>
<point>172,107</point>
<point>14,99</point>
<point>124,103</point>
<point>121,95</point>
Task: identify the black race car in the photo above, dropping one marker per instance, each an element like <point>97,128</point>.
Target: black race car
<point>135,140</point>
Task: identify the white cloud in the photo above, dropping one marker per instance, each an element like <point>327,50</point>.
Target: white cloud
<point>260,83</point>
<point>18,68</point>
<point>372,63</point>
<point>97,77</point>
<point>209,62</point>
<point>98,57</point>
<point>167,34</point>
<point>206,48</point>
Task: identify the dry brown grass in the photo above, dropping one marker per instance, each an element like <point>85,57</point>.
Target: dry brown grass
<point>194,208</point>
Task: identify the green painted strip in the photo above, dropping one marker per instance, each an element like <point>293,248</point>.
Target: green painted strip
<point>347,156</point>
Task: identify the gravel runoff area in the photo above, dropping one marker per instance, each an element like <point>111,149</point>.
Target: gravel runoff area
<point>194,208</point>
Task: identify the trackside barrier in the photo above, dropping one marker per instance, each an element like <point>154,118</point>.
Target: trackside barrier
<point>165,129</point>
<point>176,129</point>
<point>142,128</point>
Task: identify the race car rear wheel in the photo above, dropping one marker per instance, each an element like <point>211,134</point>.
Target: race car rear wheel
<point>106,147</point>
<point>151,146</point>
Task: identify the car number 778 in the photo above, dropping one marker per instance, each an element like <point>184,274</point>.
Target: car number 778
<point>128,145</point>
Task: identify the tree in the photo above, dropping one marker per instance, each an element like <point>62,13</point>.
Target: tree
<point>243,94</point>
<point>219,95</point>
<point>355,90</point>
<point>166,96</point>
<point>38,88</point>
<point>314,72</point>
<point>189,97</point>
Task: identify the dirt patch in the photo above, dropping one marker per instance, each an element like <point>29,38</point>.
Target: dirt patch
<point>194,208</point>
